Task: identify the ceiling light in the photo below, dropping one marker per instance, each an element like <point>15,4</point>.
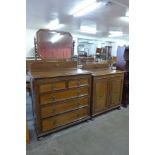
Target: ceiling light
<point>85,7</point>
<point>115,33</point>
<point>112,35</point>
<point>56,37</point>
<point>87,29</point>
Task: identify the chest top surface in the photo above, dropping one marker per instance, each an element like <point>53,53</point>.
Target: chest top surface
<point>58,73</point>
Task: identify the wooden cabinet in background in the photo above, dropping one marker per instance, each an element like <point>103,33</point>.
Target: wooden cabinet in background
<point>123,64</point>
<point>27,134</point>
<point>107,92</point>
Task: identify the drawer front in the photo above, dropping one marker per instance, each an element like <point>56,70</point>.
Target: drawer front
<point>66,94</point>
<point>49,98</point>
<point>83,91</point>
<point>73,83</point>
<point>58,108</point>
<point>83,112</point>
<point>53,122</point>
<point>83,101</point>
<point>84,81</point>
<point>62,107</point>
<point>57,121</point>
<point>77,82</point>
<point>52,86</point>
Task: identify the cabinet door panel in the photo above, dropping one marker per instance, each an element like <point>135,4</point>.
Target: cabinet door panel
<point>100,94</point>
<point>116,91</point>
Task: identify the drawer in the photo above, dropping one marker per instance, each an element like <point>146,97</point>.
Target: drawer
<point>62,107</point>
<point>83,112</point>
<point>52,86</point>
<point>59,108</point>
<point>77,82</point>
<point>53,122</point>
<point>73,83</point>
<point>84,81</point>
<point>83,101</point>
<point>49,98</point>
<point>66,94</point>
<point>83,91</point>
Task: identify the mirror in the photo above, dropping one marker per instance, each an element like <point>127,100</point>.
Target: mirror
<point>53,45</point>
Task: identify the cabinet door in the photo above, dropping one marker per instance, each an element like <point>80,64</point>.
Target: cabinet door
<point>115,89</point>
<point>100,90</point>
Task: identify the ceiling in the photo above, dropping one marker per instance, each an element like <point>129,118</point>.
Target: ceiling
<point>106,17</point>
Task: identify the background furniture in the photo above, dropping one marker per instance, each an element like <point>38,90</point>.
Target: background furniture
<point>27,135</point>
<point>123,64</point>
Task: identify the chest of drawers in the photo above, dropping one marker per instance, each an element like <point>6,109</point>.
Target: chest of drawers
<point>60,101</point>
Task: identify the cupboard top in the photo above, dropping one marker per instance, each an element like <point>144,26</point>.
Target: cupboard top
<point>99,72</point>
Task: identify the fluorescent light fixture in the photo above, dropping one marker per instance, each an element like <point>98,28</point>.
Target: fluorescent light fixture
<point>81,5</point>
<point>115,33</point>
<point>56,37</point>
<point>85,7</point>
<point>111,35</point>
<point>54,25</point>
<point>87,29</point>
